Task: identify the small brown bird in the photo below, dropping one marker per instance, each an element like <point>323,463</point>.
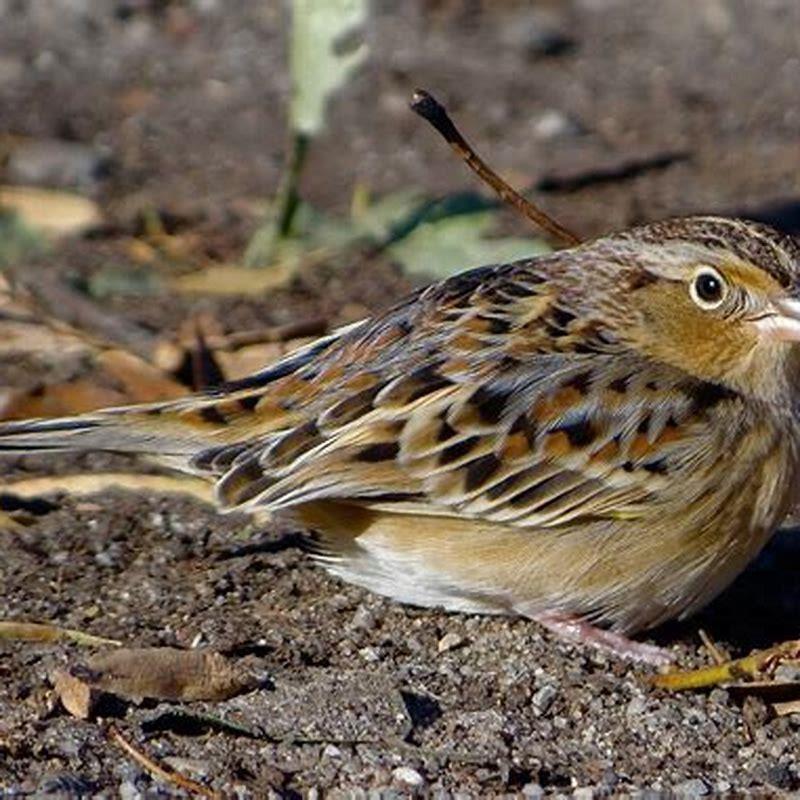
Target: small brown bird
<point>602,436</point>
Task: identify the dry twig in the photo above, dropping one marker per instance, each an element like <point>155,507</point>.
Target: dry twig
<point>430,109</point>
<point>161,773</point>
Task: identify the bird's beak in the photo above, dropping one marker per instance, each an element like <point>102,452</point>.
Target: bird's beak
<point>783,323</point>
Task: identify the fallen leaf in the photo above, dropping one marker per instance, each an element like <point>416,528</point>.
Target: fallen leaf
<point>141,382</point>
<point>54,212</point>
<point>77,697</point>
<point>783,709</point>
<point>114,377</point>
<point>247,360</point>
<point>452,236</point>
<point>42,632</point>
<point>165,673</point>
<point>18,241</point>
<point>57,400</point>
<point>121,281</point>
<point>232,280</point>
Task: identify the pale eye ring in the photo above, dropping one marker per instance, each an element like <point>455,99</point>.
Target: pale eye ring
<point>708,288</point>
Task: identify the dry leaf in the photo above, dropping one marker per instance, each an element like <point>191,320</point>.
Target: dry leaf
<point>231,280</point>
<point>783,709</point>
<point>42,632</point>
<point>247,360</point>
<point>117,378</point>
<point>165,673</point>
<point>8,522</point>
<point>77,697</point>
<point>53,212</point>
<point>58,400</point>
<point>141,382</point>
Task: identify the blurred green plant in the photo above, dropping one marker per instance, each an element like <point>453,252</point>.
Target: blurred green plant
<point>434,238</point>
<point>121,281</point>
<point>325,48</point>
<point>18,241</point>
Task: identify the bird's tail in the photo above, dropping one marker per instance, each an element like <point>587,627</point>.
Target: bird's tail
<point>176,432</point>
<point>159,431</point>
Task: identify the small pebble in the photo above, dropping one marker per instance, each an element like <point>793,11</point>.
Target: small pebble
<point>636,707</point>
<point>544,698</point>
<point>370,654</point>
<point>610,778</point>
<point>788,672</point>
<point>106,558</point>
<point>363,619</point>
<point>779,775</point>
<point>548,42</point>
<point>583,793</point>
<point>554,124</point>
<point>719,697</point>
<point>532,791</point>
<point>56,163</point>
<point>408,776</point>
<point>450,641</point>
<point>694,787</point>
<point>129,791</point>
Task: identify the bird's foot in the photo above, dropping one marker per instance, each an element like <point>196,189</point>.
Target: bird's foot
<point>575,629</point>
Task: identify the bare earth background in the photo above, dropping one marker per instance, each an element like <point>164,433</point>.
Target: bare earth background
<point>616,112</point>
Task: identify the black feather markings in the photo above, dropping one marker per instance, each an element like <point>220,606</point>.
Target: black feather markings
<point>490,403</point>
<point>380,451</point>
<point>579,433</point>
<point>479,471</point>
<point>458,450</point>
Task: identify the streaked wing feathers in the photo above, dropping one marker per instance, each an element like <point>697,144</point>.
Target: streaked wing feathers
<point>485,397</point>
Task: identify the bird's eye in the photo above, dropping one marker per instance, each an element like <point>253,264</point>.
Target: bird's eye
<point>708,288</point>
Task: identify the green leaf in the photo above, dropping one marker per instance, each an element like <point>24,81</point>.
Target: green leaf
<point>112,280</point>
<point>442,243</point>
<point>325,49</point>
<point>18,241</point>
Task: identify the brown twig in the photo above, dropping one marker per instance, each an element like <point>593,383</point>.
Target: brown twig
<point>716,654</point>
<point>159,772</point>
<point>430,109</point>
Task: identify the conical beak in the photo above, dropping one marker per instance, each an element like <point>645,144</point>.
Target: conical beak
<point>783,323</point>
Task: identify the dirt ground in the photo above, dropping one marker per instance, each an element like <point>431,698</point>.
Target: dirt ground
<point>611,112</point>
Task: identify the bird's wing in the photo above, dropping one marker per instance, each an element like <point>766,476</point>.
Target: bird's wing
<point>496,401</point>
<point>574,440</point>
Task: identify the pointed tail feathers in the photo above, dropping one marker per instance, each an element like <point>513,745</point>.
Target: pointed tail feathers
<point>140,430</point>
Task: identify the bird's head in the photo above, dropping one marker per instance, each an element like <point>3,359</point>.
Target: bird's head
<point>718,298</point>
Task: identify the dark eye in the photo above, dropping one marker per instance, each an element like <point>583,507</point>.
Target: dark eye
<point>708,288</point>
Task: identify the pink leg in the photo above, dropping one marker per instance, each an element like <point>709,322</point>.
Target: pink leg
<point>577,630</point>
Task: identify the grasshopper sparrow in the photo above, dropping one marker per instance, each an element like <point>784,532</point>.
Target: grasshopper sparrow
<point>604,436</point>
